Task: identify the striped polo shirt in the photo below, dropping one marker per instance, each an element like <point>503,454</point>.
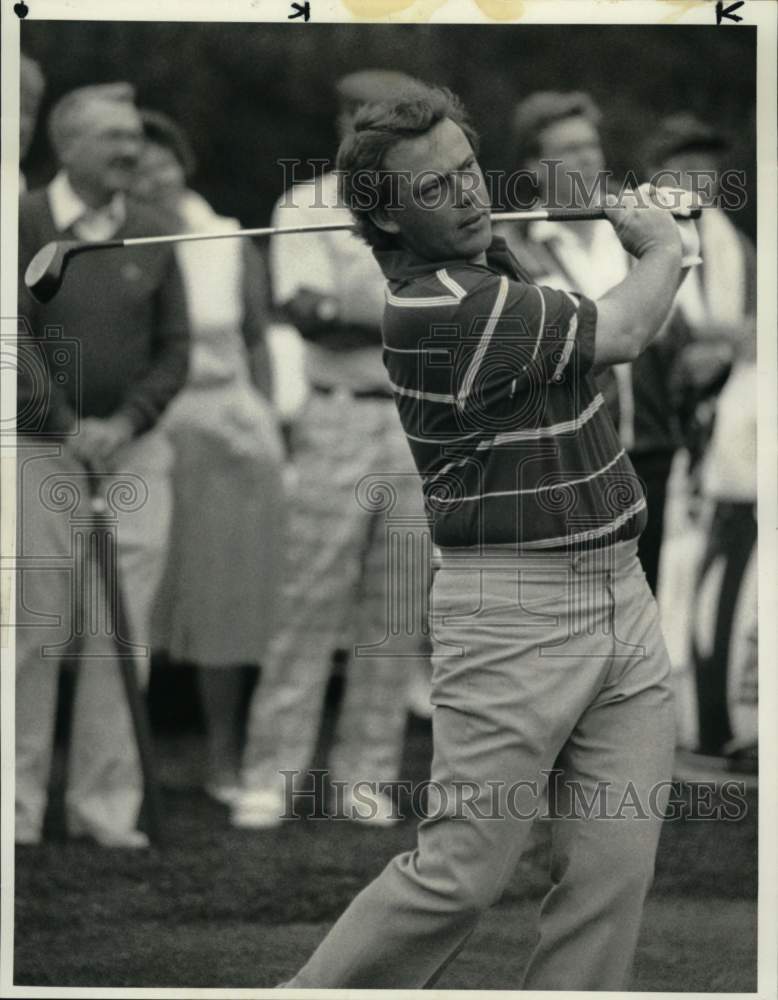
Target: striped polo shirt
<point>492,377</point>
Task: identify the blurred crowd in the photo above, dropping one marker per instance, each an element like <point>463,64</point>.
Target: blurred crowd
<point>270,513</point>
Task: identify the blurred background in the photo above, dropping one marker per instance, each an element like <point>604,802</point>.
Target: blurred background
<point>250,95</point>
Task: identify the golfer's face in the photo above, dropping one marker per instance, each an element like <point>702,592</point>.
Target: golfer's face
<point>442,206</point>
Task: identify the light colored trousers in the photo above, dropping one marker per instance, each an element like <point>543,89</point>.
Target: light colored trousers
<point>355,516</point>
<point>551,660</point>
<point>105,786</point>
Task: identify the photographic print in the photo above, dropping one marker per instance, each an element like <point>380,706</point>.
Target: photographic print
<point>388,431</point>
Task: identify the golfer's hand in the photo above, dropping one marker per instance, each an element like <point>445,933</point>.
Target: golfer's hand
<point>641,225</point>
<point>677,198</point>
<point>99,438</point>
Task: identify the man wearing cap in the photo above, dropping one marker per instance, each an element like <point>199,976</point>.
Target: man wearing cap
<point>355,480</point>
<point>718,301</point>
<point>97,366</point>
<point>547,647</point>
<point>557,139</point>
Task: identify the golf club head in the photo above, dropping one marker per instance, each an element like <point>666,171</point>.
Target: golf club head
<point>45,271</point>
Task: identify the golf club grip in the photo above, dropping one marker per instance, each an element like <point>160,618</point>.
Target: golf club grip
<point>592,214</point>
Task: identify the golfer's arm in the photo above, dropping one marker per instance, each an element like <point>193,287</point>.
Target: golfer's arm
<point>631,314</point>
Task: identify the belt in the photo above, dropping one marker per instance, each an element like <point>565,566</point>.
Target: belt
<point>602,557</point>
<point>341,390</point>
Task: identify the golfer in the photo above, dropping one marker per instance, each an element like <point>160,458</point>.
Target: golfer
<point>548,652</point>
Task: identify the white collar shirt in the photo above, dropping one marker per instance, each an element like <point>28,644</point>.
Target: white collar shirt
<point>69,211</point>
<point>605,251</point>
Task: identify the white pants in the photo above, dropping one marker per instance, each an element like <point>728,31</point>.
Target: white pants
<point>55,584</point>
<point>357,498</point>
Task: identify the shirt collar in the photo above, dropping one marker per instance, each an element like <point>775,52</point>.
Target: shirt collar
<point>67,208</point>
<point>402,265</point>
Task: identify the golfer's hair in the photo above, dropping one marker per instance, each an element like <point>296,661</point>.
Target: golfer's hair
<point>376,128</point>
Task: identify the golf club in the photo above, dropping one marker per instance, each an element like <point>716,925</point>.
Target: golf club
<point>46,270</point>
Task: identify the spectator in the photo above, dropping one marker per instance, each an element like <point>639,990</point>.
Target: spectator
<point>719,303</point>
<point>557,137</point>
<point>330,287</point>
<point>97,367</point>
<point>717,299</point>
<point>31,87</point>
<point>217,603</point>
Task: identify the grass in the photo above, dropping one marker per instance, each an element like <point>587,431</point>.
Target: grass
<point>219,907</point>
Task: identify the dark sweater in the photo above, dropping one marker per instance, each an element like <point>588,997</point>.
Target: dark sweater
<point>114,339</point>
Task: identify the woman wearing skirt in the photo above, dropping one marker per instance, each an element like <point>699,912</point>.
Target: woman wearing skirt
<point>216,605</point>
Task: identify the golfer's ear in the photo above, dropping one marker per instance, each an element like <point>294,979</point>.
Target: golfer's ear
<point>385,220</point>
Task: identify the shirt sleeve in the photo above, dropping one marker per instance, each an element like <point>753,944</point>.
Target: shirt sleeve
<point>516,336</point>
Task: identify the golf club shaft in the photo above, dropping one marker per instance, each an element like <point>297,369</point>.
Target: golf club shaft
<point>136,703</point>
<point>531,215</point>
<point>45,271</point>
